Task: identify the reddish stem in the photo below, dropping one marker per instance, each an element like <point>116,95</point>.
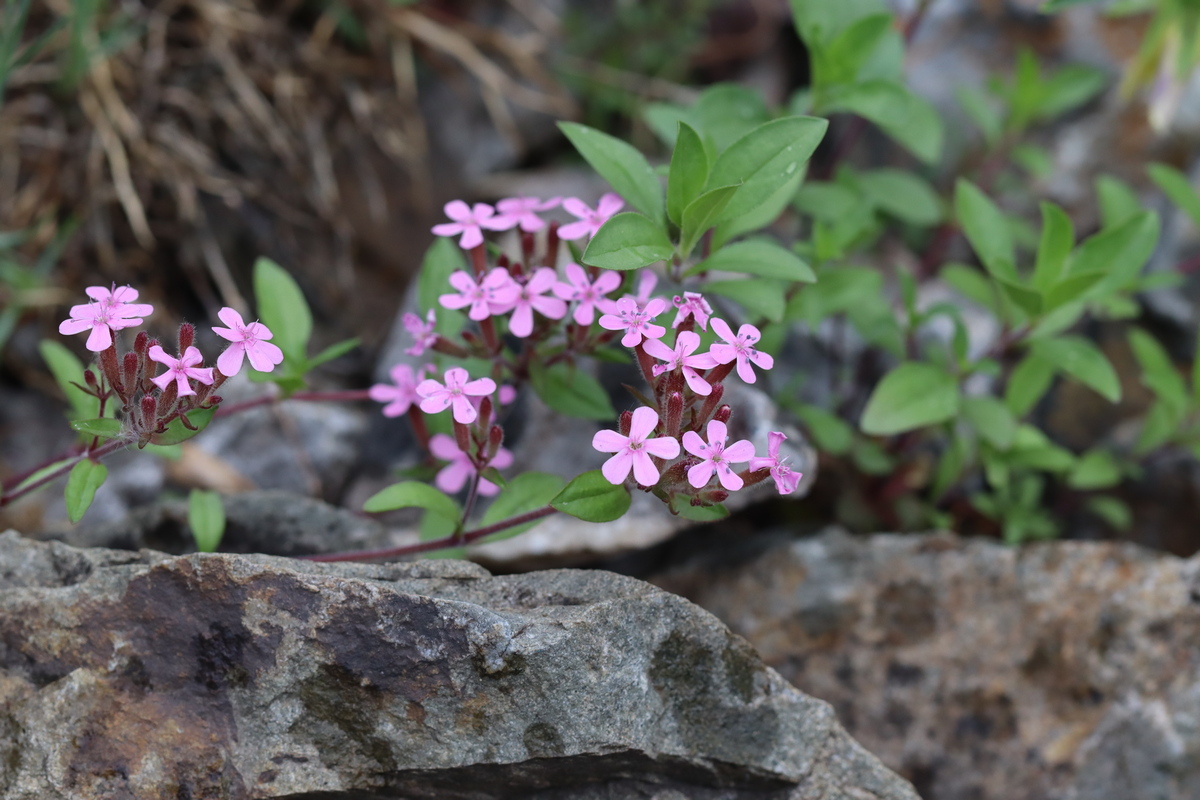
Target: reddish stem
<point>454,540</point>
<point>100,452</point>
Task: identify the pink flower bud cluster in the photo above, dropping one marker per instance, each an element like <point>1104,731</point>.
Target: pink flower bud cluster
<point>150,402</point>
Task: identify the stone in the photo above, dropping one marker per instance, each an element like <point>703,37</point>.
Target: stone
<point>272,522</point>
<point>1057,670</point>
<point>141,674</point>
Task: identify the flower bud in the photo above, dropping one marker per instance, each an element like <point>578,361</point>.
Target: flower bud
<point>723,414</point>
<point>710,497</point>
<point>141,343</point>
<point>625,422</point>
<point>149,412</point>
<point>462,437</point>
<point>129,368</point>
<point>674,414</point>
<point>187,336</point>
<point>495,439</point>
<point>551,259</point>
<point>485,411</point>
<point>527,243</point>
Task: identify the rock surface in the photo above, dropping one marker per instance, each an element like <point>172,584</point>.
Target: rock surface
<point>981,672</point>
<point>221,676</point>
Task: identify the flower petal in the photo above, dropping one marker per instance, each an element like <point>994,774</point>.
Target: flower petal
<point>663,447</point>
<point>607,441</point>
<point>231,318</point>
<point>740,451</point>
<point>694,444</point>
<point>616,469</point>
<point>717,432</point>
<point>699,475</point>
<point>100,339</point>
<point>643,423</point>
<point>230,361</point>
<point>721,328</point>
<point>644,471</point>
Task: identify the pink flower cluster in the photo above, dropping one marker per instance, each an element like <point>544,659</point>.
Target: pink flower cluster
<point>469,222</point>
<point>114,309</point>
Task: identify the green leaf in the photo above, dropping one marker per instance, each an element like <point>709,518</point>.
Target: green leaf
<point>1095,469</point>
<point>701,214</point>
<point>820,22</point>
<point>619,163</point>
<point>983,112</point>
<point>105,428</point>
<point>764,160</point>
<point>86,477</point>
<point>902,115</point>
<point>177,432</point>
<point>973,285</point>
<point>1022,297</point>
<point>843,57</point>
<point>282,308</point>
<point>1158,371</point>
<point>1028,383</point>
<point>68,371</point>
<point>903,195</point>
<point>758,296</point>
<point>986,228</point>
<point>1070,289</point>
<point>831,433</point>
<point>628,241</point>
<point>1159,426</point>
<point>991,419</point>
<point>701,513</point>
<point>1069,88</point>
<point>1177,187</point>
<point>591,498</point>
<point>1058,239</point>
<point>569,390</point>
<point>1121,252</point>
<point>442,259</point>
<point>913,395</point>
<point>334,351</point>
<point>1113,511</point>
<point>1083,361</point>
<point>688,174</point>
<point>761,257</point>
<point>412,494</point>
<point>761,216</point>
<point>206,518</point>
<point>1117,201</point>
<point>527,492</point>
<point>871,459</point>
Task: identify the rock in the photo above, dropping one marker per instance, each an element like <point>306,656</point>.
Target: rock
<point>272,522</point>
<point>1061,670</point>
<point>143,675</point>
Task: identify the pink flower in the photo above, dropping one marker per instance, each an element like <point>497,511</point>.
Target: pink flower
<point>506,394</point>
<point>531,295</point>
<point>453,477</point>
<point>589,220</point>
<point>180,369</point>
<point>455,393</point>
<point>469,222</point>
<point>740,347</point>
<point>786,481</point>
<point>493,295</point>
<point>716,456</point>
<point>646,283</point>
<point>681,357</point>
<point>634,320</point>
<point>634,451</point>
<point>423,334</point>
<point>589,294</point>
<point>111,310</point>
<point>694,304</point>
<point>401,393</point>
<point>522,211</point>
<point>247,341</point>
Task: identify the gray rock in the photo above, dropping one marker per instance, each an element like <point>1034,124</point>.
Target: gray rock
<point>1057,671</point>
<point>143,675</point>
<point>272,522</point>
